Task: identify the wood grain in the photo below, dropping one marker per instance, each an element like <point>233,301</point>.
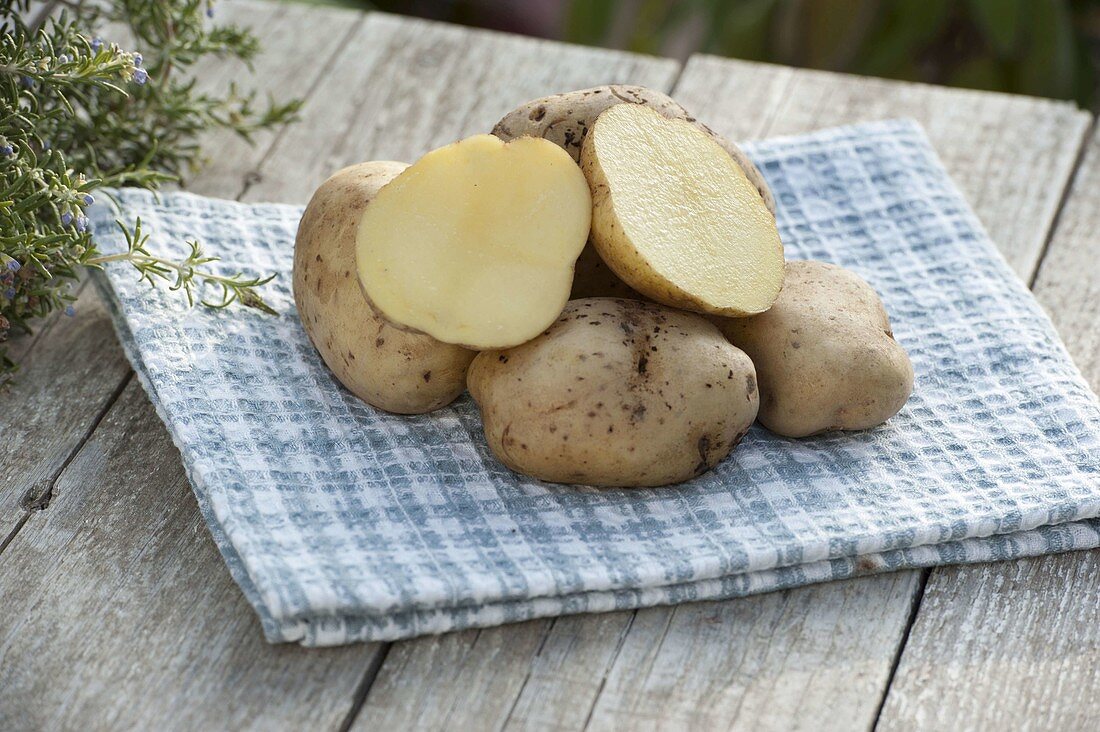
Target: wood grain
<point>67,380</point>
<point>290,65</point>
<point>1068,283</point>
<point>1011,155</point>
<point>1012,645</point>
<point>481,671</point>
<point>119,612</point>
<point>1017,644</point>
<point>781,661</point>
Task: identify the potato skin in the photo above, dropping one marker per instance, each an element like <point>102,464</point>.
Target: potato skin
<point>825,355</point>
<point>565,119</point>
<point>616,393</point>
<point>387,367</point>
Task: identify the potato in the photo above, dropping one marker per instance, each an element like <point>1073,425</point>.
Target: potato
<point>389,368</point>
<point>825,354</point>
<point>616,393</point>
<point>475,243</point>
<point>675,217</point>
<point>565,120</point>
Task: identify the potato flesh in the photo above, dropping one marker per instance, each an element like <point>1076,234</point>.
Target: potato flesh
<point>475,243</point>
<point>678,220</point>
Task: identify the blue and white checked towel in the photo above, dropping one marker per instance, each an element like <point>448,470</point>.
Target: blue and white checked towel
<point>342,523</point>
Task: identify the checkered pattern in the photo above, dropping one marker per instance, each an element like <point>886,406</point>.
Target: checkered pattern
<point>342,523</point>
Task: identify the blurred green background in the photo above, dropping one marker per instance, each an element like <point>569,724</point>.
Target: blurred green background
<point>1045,48</point>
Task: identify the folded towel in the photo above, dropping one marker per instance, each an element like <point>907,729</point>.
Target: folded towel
<point>342,523</point>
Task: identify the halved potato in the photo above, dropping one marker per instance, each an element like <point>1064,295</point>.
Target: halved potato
<point>475,243</point>
<point>387,367</point>
<point>675,217</point>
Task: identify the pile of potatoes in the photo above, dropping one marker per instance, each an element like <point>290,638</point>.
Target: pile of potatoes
<point>604,274</point>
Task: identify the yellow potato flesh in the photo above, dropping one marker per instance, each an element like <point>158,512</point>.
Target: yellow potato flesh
<point>680,221</point>
<point>475,243</point>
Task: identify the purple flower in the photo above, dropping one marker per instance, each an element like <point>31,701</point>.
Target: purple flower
<point>138,59</point>
<point>27,82</point>
<point>140,76</point>
<point>7,150</point>
<point>7,278</point>
<point>14,266</point>
<point>81,223</point>
<point>209,11</point>
<point>88,199</point>
<point>10,293</point>
<point>66,218</point>
<point>63,59</point>
<point>70,310</point>
<point>97,44</point>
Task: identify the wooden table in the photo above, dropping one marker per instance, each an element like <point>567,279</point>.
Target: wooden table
<point>117,612</point>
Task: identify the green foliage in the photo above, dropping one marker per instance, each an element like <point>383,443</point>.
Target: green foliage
<point>78,114</point>
<point>1041,47</point>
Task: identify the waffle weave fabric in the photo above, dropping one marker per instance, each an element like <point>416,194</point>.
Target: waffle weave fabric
<point>342,523</point>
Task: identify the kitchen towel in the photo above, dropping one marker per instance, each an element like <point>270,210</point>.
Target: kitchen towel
<point>342,523</point>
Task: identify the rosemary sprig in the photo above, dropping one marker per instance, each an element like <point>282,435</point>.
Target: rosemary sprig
<point>187,273</point>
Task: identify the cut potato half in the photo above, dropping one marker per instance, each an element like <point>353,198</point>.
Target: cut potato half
<point>475,243</point>
<point>675,216</point>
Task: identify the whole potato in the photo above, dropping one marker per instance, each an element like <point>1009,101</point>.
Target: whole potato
<point>565,119</point>
<point>387,367</point>
<point>616,393</point>
<point>825,354</point>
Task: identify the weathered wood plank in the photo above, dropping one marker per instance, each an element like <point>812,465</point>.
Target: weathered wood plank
<point>562,683</point>
<point>1017,644</point>
<point>1068,283</point>
<point>985,139</point>
<point>66,382</point>
<point>787,660</point>
<point>119,612</point>
<point>477,669</point>
<point>290,65</point>
<point>180,634</point>
<point>1012,645</point>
